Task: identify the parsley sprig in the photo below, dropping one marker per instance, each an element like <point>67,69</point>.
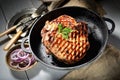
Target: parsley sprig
<point>64,31</point>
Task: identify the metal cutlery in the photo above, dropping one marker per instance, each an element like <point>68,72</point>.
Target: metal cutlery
<point>34,15</point>
<point>25,27</point>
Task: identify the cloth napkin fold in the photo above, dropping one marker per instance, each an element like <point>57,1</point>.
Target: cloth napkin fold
<point>90,4</point>
<point>107,67</point>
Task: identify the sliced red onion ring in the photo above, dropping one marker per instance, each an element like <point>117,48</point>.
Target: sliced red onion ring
<point>21,60</point>
<point>25,61</point>
<point>13,55</point>
<point>22,54</point>
<point>14,64</point>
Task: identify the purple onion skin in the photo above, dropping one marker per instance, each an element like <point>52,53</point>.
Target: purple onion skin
<point>22,59</point>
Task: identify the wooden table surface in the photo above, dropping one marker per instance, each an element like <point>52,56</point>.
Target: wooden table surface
<point>9,8</point>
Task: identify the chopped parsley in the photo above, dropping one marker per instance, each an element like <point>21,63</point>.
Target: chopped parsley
<point>60,28</point>
<point>64,31</point>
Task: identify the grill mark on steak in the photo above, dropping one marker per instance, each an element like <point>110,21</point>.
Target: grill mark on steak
<point>69,50</point>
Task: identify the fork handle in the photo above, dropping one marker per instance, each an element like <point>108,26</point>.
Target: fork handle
<point>13,40</point>
<point>8,31</point>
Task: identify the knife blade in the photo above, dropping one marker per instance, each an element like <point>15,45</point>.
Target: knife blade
<point>44,7</point>
<point>10,29</point>
<point>17,35</point>
<point>26,26</point>
<point>34,15</point>
<point>39,10</point>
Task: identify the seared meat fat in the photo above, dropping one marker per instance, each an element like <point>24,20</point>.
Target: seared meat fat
<point>66,39</point>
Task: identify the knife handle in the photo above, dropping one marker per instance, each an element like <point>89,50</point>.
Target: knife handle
<point>8,31</point>
<point>13,40</point>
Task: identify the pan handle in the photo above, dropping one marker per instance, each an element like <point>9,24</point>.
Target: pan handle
<point>112,22</point>
<point>24,40</point>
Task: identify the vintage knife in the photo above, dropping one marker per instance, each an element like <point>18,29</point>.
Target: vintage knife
<point>34,15</point>
<point>17,35</point>
<point>39,11</point>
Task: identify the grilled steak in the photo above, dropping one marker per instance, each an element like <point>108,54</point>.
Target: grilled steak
<point>66,39</point>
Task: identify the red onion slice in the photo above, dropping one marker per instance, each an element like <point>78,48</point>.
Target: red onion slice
<point>14,64</point>
<point>22,54</point>
<point>26,62</point>
<point>21,60</point>
<point>14,53</point>
<point>14,57</point>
